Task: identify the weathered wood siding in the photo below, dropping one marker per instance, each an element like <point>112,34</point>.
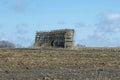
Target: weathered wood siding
<point>56,38</point>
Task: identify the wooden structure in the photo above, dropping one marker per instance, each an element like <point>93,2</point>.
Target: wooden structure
<point>57,38</point>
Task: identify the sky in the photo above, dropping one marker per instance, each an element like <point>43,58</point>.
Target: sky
<point>96,22</point>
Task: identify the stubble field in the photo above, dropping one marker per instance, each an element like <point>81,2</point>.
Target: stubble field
<point>60,64</point>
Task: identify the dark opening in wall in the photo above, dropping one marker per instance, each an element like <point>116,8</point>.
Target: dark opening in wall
<point>52,43</point>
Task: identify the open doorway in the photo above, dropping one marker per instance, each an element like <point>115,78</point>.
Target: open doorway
<point>52,43</point>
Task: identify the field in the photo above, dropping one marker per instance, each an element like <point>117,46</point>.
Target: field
<point>60,64</point>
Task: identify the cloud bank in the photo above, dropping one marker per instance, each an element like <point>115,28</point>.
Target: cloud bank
<point>107,31</point>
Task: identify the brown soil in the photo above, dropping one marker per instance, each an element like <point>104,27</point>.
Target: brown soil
<point>60,64</point>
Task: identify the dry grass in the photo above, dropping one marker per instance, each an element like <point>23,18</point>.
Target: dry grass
<point>95,56</point>
<point>85,59</point>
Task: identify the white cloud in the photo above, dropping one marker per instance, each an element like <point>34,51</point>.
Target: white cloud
<point>4,39</point>
<point>112,16</point>
<point>107,31</point>
<point>110,23</point>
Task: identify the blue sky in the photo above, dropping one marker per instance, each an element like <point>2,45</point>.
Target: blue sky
<point>96,22</point>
